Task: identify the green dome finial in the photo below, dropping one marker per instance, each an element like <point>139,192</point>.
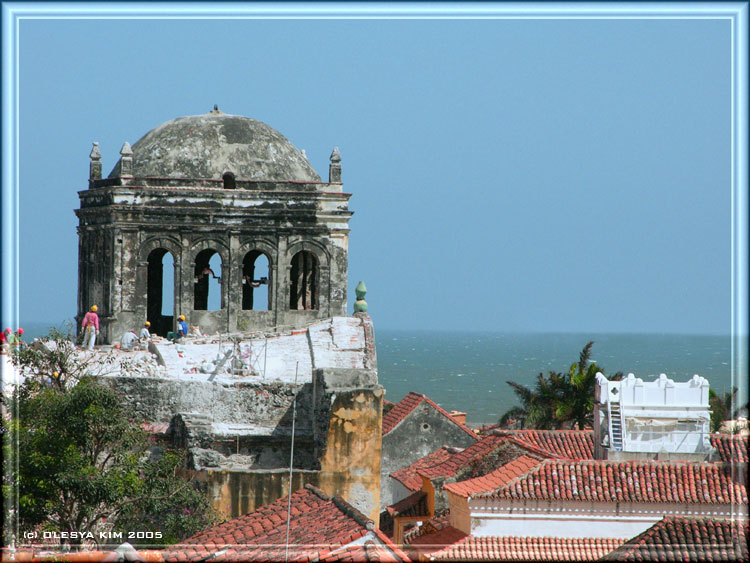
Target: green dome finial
<point>360,305</point>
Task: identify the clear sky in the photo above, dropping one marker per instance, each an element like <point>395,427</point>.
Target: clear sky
<point>509,175</point>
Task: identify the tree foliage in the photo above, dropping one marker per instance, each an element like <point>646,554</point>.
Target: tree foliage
<point>560,400</point>
<point>724,407</point>
<point>85,463</point>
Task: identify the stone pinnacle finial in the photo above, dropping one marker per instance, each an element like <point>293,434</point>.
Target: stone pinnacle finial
<point>360,305</point>
<point>126,162</point>
<point>334,169</point>
<point>95,154</point>
<point>95,166</point>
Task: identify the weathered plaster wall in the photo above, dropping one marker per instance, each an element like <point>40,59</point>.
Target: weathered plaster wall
<point>423,431</point>
<point>262,404</point>
<point>235,493</point>
<point>350,460</point>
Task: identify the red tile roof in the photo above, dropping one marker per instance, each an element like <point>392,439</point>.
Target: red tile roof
<point>494,479</point>
<point>454,463</point>
<point>626,481</point>
<point>47,556</point>
<point>261,535</point>
<point>428,544</point>
<point>687,539</point>
<point>409,476</point>
<point>434,524</point>
<point>362,553</point>
<point>493,548</point>
<point>405,406</point>
<point>570,444</point>
<point>413,505</point>
<point>732,449</point>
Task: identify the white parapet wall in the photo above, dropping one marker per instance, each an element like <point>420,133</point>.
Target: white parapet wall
<point>659,416</point>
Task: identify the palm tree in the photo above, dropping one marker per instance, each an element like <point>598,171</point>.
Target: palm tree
<point>560,400</point>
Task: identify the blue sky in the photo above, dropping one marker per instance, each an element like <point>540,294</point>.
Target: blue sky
<point>508,175</point>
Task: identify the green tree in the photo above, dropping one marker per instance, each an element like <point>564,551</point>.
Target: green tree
<point>724,407</point>
<point>560,400</point>
<point>84,460</point>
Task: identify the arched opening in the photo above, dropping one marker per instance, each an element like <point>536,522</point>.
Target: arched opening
<point>229,183</point>
<point>160,291</point>
<point>304,282</point>
<point>255,281</point>
<point>207,294</point>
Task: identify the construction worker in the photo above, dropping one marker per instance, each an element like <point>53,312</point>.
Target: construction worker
<point>145,334</point>
<point>90,327</point>
<point>128,340</point>
<point>182,328</point>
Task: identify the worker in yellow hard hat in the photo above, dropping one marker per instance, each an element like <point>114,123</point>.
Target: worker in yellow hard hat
<point>182,328</point>
<point>90,327</point>
<point>145,335</point>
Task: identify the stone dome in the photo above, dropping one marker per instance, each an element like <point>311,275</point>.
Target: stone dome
<point>209,145</point>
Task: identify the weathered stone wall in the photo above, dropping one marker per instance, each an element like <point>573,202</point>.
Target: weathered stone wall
<point>423,431</point>
<point>262,404</point>
<point>119,226</point>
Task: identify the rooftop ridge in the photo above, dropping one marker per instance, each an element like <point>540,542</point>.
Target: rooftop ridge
<point>352,512</point>
<point>318,492</point>
<point>406,406</point>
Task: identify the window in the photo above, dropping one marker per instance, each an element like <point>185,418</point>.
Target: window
<point>255,281</point>
<point>207,294</point>
<point>229,183</point>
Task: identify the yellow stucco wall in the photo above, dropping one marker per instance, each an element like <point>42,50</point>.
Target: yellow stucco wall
<point>350,466</point>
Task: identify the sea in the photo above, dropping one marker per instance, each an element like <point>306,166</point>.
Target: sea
<point>469,371</point>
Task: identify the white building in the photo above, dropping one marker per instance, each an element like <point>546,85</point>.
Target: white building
<point>660,419</point>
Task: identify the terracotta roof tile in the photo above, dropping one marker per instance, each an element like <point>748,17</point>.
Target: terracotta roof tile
<point>406,405</point>
<point>413,505</point>
<point>684,538</point>
<point>409,476</point>
<point>261,535</point>
<point>434,524</point>
<point>732,449</point>
<point>451,465</point>
<point>626,481</point>
<point>494,548</point>
<point>400,410</point>
<point>363,553</point>
<point>428,544</point>
<point>569,444</point>
<point>494,479</point>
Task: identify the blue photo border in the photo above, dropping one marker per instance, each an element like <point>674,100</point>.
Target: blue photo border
<point>736,13</point>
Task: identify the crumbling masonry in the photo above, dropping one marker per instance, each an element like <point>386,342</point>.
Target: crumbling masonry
<point>206,185</point>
